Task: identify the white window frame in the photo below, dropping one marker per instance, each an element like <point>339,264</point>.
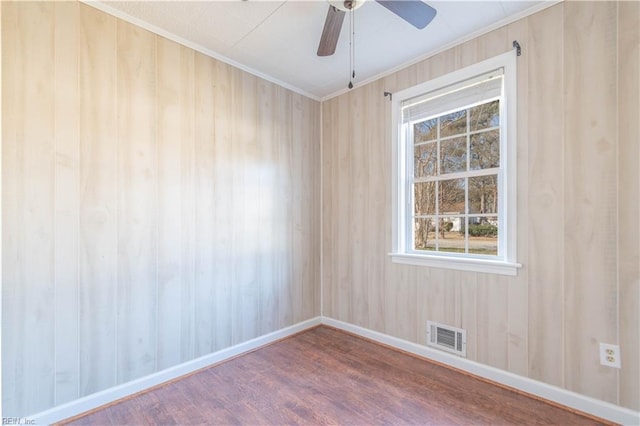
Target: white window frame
<point>505,262</point>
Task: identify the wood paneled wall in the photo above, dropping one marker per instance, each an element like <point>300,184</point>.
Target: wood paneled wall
<point>578,208</point>
<point>158,205</point>
<point>628,214</point>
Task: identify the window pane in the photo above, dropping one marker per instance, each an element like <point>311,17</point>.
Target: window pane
<point>424,198</point>
<point>483,235</point>
<point>453,155</point>
<point>451,196</point>
<point>484,116</point>
<point>424,233</point>
<point>485,150</point>
<point>451,234</point>
<point>483,194</point>
<point>454,123</point>
<point>425,131</point>
<point>424,160</point>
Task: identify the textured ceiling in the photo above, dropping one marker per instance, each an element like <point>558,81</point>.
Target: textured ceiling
<point>278,39</point>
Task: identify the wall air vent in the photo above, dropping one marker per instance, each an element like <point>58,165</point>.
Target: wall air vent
<point>447,338</point>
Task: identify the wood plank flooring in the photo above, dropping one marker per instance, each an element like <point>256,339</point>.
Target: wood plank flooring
<point>326,376</point>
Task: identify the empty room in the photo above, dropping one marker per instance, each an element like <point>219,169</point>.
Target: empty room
<point>320,212</point>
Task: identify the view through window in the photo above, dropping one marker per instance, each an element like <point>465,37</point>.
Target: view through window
<point>456,165</point>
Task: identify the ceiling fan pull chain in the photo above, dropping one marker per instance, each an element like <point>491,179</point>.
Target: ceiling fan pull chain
<point>352,47</point>
<point>353,67</point>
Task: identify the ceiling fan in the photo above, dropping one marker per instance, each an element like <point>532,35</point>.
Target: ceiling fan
<point>415,12</point>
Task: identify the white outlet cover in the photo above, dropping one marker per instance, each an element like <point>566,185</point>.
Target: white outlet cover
<point>608,350</point>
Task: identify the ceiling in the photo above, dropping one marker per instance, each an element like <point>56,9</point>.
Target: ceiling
<point>278,40</point>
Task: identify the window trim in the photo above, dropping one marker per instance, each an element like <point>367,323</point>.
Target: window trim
<point>506,265</point>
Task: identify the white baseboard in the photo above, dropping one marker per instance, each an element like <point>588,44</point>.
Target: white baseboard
<point>595,407</point>
<point>567,398</point>
<point>107,396</point>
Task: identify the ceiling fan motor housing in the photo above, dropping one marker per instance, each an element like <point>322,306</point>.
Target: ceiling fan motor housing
<point>346,5</point>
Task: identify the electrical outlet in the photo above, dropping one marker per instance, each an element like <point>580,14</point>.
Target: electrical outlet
<point>610,355</point>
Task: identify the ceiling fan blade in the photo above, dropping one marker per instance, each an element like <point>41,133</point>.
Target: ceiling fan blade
<point>331,32</point>
<point>415,12</point>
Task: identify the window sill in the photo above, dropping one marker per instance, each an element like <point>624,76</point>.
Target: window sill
<point>458,263</point>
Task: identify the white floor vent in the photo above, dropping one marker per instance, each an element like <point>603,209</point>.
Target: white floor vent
<point>447,338</point>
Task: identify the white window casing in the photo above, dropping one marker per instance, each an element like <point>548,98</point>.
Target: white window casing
<point>494,78</point>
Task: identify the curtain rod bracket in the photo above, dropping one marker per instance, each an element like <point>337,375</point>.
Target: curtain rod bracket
<point>389,94</point>
<point>516,46</point>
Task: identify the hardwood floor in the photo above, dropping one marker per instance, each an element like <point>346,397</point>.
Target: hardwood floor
<point>326,376</point>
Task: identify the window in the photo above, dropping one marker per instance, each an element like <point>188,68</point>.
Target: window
<point>454,170</point>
